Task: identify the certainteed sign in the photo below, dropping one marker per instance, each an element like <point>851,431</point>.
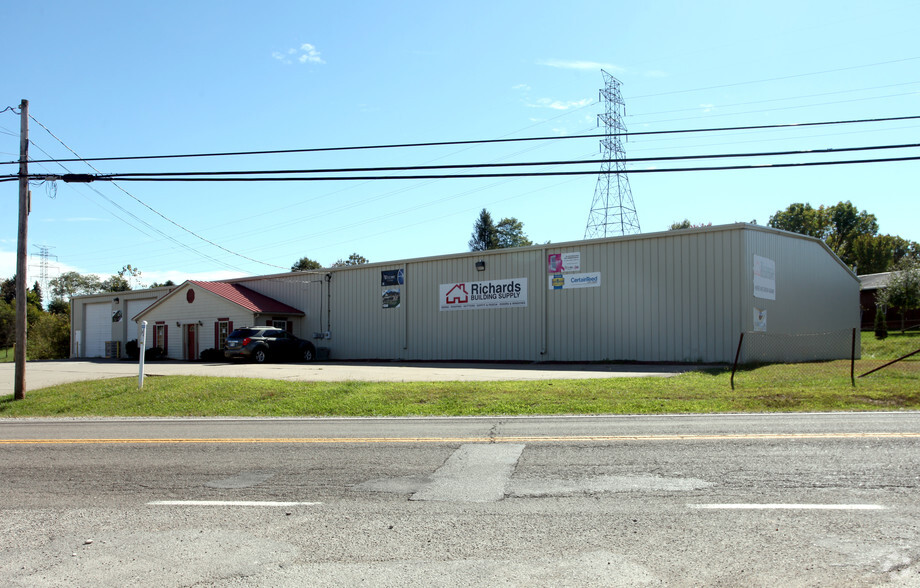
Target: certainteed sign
<point>479,295</point>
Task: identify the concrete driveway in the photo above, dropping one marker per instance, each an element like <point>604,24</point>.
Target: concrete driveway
<point>40,374</point>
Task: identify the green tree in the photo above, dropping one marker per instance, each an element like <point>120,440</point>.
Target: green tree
<point>304,264</point>
<point>70,284</point>
<point>801,218</point>
<point>880,253</point>
<point>59,306</point>
<point>162,284</point>
<point>840,226</point>
<point>685,224</point>
<point>881,325</point>
<point>847,223</point>
<point>509,232</point>
<point>7,324</point>
<point>121,281</point>
<point>49,337</point>
<point>903,289</point>
<point>485,235</point>
<point>35,294</point>
<point>8,289</point>
<point>116,283</point>
<point>353,259</point>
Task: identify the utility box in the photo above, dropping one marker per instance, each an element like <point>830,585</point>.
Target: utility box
<point>112,349</point>
<point>322,354</point>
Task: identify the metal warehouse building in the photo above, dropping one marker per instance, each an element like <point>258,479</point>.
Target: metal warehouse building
<point>675,296</point>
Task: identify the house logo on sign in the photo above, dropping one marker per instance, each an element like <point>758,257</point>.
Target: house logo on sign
<point>457,295</point>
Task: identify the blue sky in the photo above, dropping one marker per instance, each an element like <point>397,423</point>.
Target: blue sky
<point>126,78</point>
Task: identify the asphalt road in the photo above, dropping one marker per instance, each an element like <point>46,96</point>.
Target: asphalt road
<point>753,500</point>
<point>41,374</point>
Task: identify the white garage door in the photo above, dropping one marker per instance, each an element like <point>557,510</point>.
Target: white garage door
<point>97,329</point>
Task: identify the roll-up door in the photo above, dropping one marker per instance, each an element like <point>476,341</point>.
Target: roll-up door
<point>97,328</point>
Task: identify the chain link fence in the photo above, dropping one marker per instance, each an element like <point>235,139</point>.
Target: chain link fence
<point>845,357</point>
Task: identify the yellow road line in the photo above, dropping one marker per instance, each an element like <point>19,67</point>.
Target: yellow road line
<point>525,439</point>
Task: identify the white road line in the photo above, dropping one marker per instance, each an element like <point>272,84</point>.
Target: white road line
<point>227,503</point>
<point>788,506</point>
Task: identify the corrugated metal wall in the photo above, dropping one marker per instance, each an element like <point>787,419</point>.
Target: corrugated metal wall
<point>664,297</point>
<point>675,296</point>
<point>816,295</point>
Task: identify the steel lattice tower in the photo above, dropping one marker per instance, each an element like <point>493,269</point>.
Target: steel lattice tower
<point>612,210</point>
<point>43,268</point>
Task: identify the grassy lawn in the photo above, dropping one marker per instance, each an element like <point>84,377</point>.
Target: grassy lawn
<point>821,386</point>
<point>6,355</point>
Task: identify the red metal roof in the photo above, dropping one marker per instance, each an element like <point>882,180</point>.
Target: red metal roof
<point>248,299</point>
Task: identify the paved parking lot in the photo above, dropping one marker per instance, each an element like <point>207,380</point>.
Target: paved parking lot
<point>40,374</point>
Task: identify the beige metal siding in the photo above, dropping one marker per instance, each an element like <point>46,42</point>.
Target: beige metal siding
<point>663,298</point>
<point>130,302</point>
<point>305,291</point>
<point>676,296</point>
<point>815,294</point>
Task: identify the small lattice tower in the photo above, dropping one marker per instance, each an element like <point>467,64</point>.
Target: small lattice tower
<point>612,210</point>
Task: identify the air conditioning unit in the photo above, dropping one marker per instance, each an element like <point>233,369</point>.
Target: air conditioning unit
<point>113,349</point>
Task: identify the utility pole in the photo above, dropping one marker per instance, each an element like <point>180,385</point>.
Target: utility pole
<point>19,386</point>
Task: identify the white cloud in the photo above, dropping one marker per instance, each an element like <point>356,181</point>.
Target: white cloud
<point>707,107</point>
<point>521,87</point>
<point>559,104</point>
<point>310,54</point>
<point>307,53</point>
<point>564,64</point>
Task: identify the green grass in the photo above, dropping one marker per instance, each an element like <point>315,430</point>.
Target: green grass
<point>894,346</point>
<point>823,386</point>
<point>6,355</point>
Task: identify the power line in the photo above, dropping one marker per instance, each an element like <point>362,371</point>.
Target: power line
<point>212,175</point>
<point>470,142</point>
<point>499,175</point>
<point>161,215</point>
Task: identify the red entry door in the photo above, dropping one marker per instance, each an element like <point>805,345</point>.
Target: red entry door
<point>191,348</point>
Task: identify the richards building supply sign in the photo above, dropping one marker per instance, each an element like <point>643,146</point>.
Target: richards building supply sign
<point>480,295</point>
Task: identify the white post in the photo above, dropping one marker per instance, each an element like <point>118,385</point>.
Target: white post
<point>143,348</point>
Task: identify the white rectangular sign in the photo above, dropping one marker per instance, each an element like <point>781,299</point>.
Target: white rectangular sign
<point>764,278</point>
<point>566,281</point>
<point>557,263</point>
<point>479,295</point>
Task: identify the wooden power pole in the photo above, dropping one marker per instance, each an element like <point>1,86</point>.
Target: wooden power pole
<point>19,388</point>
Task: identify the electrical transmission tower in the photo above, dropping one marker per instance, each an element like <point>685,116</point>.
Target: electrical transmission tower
<point>612,210</point>
<point>43,267</point>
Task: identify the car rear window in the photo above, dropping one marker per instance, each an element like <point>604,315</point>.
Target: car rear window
<point>242,333</point>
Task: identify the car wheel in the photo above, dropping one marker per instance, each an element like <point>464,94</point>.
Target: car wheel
<point>308,354</point>
<point>259,356</point>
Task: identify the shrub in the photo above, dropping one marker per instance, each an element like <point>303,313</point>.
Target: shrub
<point>49,337</point>
<point>881,325</point>
<point>212,355</point>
